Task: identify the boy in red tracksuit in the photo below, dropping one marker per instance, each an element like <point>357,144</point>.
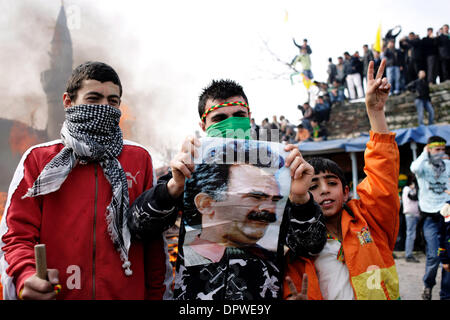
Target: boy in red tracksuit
<point>73,195</point>
<point>357,261</point>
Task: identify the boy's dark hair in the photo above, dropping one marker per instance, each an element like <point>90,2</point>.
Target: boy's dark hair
<point>91,70</point>
<point>220,89</point>
<point>436,139</point>
<point>411,179</point>
<point>315,119</point>
<point>326,165</point>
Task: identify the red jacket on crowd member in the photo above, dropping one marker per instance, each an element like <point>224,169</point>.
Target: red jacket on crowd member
<point>71,222</point>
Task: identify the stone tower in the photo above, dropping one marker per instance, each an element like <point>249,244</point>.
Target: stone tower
<point>54,79</point>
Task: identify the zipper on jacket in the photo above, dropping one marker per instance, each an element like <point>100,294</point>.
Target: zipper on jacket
<point>94,229</point>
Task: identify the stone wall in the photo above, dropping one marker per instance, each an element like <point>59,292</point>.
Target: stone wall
<point>348,120</point>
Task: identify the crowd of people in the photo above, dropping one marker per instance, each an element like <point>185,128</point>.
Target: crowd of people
<point>412,63</point>
<point>404,60</point>
<point>309,129</point>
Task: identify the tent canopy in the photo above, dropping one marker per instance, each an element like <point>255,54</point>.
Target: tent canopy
<point>405,135</point>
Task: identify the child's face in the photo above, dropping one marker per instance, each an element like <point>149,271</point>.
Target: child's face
<point>326,188</point>
<point>438,149</point>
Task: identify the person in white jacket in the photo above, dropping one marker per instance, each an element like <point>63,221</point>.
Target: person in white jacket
<point>412,214</point>
<point>432,170</point>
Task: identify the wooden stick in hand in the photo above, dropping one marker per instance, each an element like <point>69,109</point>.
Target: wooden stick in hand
<point>41,261</point>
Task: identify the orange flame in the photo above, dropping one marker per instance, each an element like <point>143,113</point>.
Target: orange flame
<point>173,248</point>
<point>126,121</point>
<point>3,196</point>
<point>20,139</point>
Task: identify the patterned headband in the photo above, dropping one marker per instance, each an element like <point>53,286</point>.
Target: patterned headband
<point>436,144</point>
<point>225,104</point>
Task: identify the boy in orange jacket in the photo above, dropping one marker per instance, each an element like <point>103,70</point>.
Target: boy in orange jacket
<point>357,261</point>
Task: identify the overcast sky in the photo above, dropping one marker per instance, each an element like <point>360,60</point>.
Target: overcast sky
<point>167,51</point>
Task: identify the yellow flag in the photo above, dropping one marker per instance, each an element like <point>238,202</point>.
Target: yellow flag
<point>306,81</point>
<point>377,44</point>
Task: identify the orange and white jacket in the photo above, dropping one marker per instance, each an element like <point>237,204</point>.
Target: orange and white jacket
<point>369,229</point>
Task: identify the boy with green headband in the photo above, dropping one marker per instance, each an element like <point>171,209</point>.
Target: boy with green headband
<point>432,170</point>
<point>224,112</point>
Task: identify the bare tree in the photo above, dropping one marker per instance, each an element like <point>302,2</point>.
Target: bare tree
<point>285,74</point>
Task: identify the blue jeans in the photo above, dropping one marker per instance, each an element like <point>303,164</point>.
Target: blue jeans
<point>339,97</point>
<point>411,224</point>
<point>431,235</point>
<point>309,74</point>
<point>420,105</point>
<point>393,76</point>
<point>307,124</point>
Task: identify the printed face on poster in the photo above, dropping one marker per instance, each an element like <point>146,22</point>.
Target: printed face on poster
<point>235,198</point>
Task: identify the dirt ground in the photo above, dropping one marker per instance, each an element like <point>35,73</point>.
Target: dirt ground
<point>410,277</point>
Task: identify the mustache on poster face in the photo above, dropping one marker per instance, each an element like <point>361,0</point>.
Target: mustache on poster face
<point>265,216</point>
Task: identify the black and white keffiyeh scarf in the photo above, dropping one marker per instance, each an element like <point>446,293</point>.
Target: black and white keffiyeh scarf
<point>92,133</point>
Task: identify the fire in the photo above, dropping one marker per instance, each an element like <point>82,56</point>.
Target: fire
<point>3,196</point>
<point>172,242</point>
<point>126,121</point>
<point>20,139</point>
<point>173,249</point>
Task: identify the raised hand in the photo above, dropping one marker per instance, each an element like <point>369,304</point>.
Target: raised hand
<point>376,96</point>
<point>303,295</point>
<point>377,88</point>
<point>182,166</point>
<point>301,175</point>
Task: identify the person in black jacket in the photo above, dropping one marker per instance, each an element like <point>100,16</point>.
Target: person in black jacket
<point>305,45</point>
<point>367,57</point>
<point>393,66</point>
<point>302,229</point>
<point>414,61</point>
<point>422,101</point>
<point>353,69</point>
<point>444,53</point>
<point>430,48</point>
<point>332,71</point>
